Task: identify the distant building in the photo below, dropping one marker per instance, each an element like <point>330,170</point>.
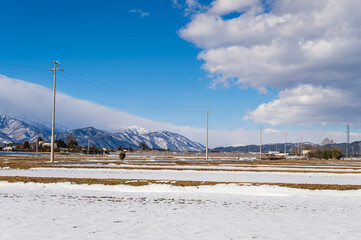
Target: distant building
<point>46,144</point>
<point>105,150</point>
<point>273,152</point>
<point>9,149</point>
<point>305,152</point>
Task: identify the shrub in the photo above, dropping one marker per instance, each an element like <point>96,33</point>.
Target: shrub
<point>336,154</point>
<point>46,148</point>
<point>122,155</point>
<point>326,154</point>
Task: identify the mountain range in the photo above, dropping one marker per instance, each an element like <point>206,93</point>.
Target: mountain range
<point>354,148</point>
<point>13,130</point>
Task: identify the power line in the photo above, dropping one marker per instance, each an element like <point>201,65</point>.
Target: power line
<point>108,90</point>
<point>138,101</point>
<point>107,87</point>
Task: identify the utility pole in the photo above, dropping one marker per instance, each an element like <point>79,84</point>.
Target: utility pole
<point>301,146</point>
<point>53,115</point>
<point>88,145</point>
<point>37,144</point>
<point>348,141</point>
<point>207,135</point>
<point>298,146</point>
<point>285,143</point>
<point>260,142</point>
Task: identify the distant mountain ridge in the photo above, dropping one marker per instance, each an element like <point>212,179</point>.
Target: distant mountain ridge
<point>18,131</point>
<point>355,147</point>
<point>14,130</point>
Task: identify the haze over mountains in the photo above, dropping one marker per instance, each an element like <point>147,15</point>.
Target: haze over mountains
<point>13,130</point>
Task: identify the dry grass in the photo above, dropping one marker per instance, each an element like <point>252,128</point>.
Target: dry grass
<point>90,181</point>
<point>207,169</point>
<point>136,182</point>
<point>26,162</point>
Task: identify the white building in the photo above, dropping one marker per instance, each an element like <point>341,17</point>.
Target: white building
<point>9,149</point>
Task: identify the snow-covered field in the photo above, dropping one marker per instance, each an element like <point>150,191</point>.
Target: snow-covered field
<point>162,211</point>
<point>190,175</point>
<point>233,167</point>
<point>66,211</point>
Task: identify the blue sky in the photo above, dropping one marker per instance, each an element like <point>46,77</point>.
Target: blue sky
<point>107,45</point>
<point>149,59</point>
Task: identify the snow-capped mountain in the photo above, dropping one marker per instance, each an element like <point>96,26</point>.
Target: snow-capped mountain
<point>132,137</point>
<point>42,125</point>
<point>158,140</point>
<point>18,131</point>
<point>92,136</point>
<point>132,130</point>
<point>14,130</point>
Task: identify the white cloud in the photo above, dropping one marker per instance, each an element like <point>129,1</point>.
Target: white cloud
<point>142,13</point>
<point>222,7</point>
<point>307,104</point>
<point>176,4</point>
<point>193,6</point>
<point>295,43</point>
<point>33,101</point>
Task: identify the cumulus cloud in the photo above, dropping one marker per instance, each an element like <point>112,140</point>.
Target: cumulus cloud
<point>222,7</point>
<point>307,104</point>
<point>296,42</point>
<point>288,47</point>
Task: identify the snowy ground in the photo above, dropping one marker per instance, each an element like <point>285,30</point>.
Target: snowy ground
<point>233,167</point>
<point>190,175</point>
<point>160,211</point>
<point>65,211</point>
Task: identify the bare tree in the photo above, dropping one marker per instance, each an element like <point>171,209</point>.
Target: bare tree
<point>327,141</point>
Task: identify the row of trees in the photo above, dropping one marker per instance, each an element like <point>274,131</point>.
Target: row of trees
<point>325,154</point>
<point>71,143</point>
<point>142,146</point>
<point>325,151</point>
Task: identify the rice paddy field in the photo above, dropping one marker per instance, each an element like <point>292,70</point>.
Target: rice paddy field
<point>174,196</point>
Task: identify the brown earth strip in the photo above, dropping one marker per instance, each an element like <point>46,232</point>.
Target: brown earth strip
<point>206,169</point>
<point>28,165</point>
<point>137,182</point>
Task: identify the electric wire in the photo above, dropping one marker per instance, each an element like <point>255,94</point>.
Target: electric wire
<point>108,90</point>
